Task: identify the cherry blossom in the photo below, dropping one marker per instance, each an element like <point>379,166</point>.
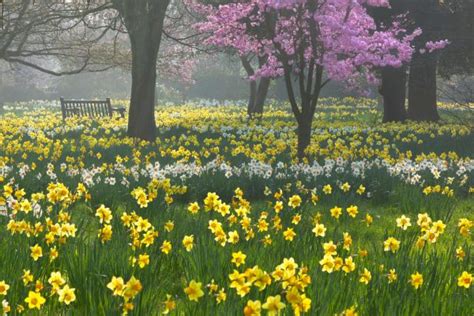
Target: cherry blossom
<point>310,41</point>
<point>344,38</point>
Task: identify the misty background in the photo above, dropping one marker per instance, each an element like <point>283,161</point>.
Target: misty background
<point>218,77</point>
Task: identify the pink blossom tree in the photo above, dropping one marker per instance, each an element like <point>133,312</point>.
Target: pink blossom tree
<point>258,86</point>
<point>309,43</point>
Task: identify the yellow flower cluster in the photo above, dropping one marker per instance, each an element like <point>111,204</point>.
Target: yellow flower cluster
<point>148,195</point>
<point>157,228</point>
<point>127,290</point>
<point>341,135</point>
<point>291,278</point>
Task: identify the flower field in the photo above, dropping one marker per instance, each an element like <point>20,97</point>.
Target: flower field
<point>217,217</point>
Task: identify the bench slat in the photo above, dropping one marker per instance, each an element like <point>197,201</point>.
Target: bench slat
<point>90,108</point>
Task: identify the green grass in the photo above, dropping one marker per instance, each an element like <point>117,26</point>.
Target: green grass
<point>89,265</point>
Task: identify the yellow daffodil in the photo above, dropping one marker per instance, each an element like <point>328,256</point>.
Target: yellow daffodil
<point>352,211</point>
<point>294,201</point>
<point>403,222</point>
<point>188,242</point>
<point>166,247</point>
<point>391,244</point>
<point>238,258</point>
<point>365,276</point>
<point>116,285</point>
<point>253,308</point>
<point>416,280</point>
<point>465,279</point>
<point>319,230</point>
<point>194,291</point>
<point>4,288</point>
<point>169,304</point>
<point>36,252</point>
<point>35,300</point>
<point>67,295</point>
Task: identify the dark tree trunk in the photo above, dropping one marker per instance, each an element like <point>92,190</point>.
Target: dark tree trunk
<point>261,96</point>
<point>422,98</point>
<point>304,133</point>
<point>252,97</point>
<point>258,89</point>
<point>144,21</point>
<point>310,85</point>
<point>393,91</point>
<point>141,120</point>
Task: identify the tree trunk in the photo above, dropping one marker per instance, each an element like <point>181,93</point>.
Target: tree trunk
<point>304,135</point>
<point>252,98</point>
<point>422,99</point>
<point>144,21</point>
<point>393,91</point>
<point>258,89</point>
<point>141,120</point>
<point>261,96</point>
<point>252,84</point>
<point>310,88</point>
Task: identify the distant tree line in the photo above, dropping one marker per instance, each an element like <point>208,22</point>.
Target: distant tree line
<point>450,19</point>
<point>70,37</point>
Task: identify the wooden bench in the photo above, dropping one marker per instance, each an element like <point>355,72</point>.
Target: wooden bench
<point>88,108</point>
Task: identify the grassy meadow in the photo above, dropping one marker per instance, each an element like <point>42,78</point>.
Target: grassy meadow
<point>217,217</point>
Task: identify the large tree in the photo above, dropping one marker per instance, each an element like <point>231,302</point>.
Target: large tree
<point>456,64</point>
<point>57,38</point>
<point>393,79</point>
<point>421,73</point>
<point>144,20</point>
<point>393,91</point>
<point>258,86</point>
<point>42,34</point>
<point>458,57</point>
<point>310,43</point>
<point>73,33</point>
<point>431,16</point>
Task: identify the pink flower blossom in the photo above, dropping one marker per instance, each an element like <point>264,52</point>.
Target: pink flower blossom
<point>432,46</point>
<point>338,35</point>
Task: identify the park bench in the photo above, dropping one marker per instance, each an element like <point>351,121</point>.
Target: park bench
<point>92,109</point>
